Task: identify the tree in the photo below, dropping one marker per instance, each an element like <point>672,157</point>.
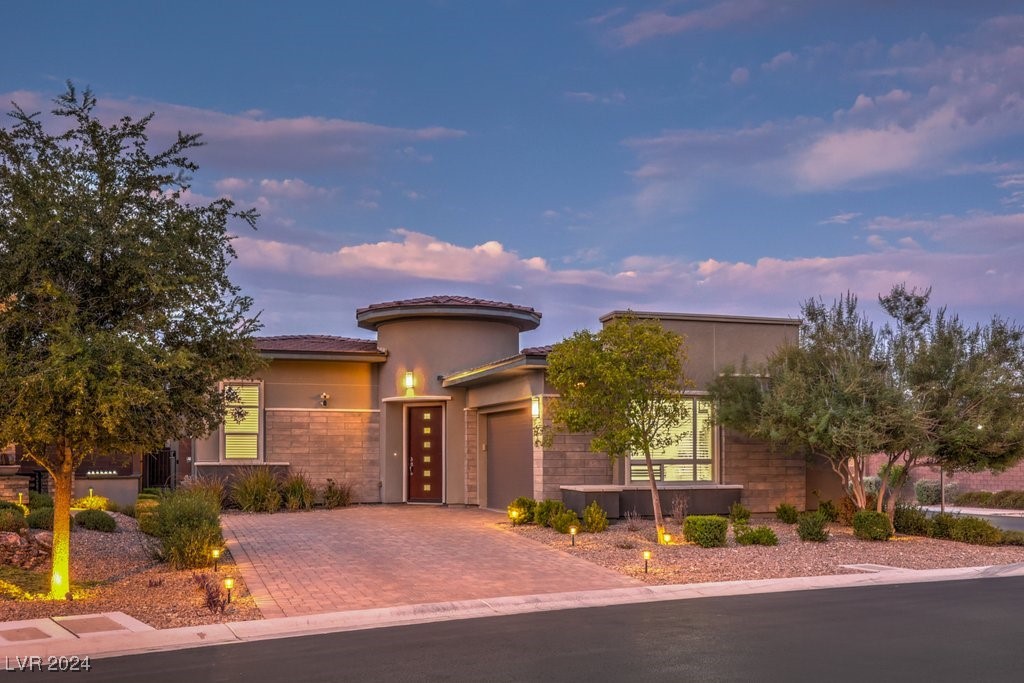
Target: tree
<point>117,316</point>
<point>624,385</point>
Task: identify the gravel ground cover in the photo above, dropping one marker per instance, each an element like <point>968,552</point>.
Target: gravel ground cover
<point>621,549</point>
<point>128,579</point>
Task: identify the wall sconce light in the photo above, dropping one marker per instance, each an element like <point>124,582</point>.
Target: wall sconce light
<point>535,406</point>
<point>323,399</point>
<point>572,532</point>
<point>215,553</point>
<point>647,558</point>
<point>410,380</point>
<point>229,583</point>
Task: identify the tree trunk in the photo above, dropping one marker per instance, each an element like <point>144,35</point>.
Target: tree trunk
<point>60,576</point>
<point>659,521</point>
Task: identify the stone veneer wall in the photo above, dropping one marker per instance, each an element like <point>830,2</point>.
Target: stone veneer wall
<point>472,444</point>
<point>565,461</point>
<point>769,477</point>
<point>335,444</point>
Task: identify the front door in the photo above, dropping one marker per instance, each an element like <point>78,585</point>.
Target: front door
<point>424,449</point>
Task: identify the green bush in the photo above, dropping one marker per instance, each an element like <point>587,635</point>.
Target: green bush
<point>41,518</point>
<point>563,520</point>
<point>975,499</point>
<point>91,503</point>
<point>10,505</point>
<point>299,492</point>
<point>12,520</point>
<point>147,496</point>
<point>912,520</point>
<point>829,509</point>
<point>256,489</point>
<point>813,526</point>
<point>546,510</point>
<point>211,486</point>
<point>872,485</point>
<point>337,494</point>
<point>976,531</point>
<point>786,513</point>
<point>870,525</point>
<point>128,509</point>
<point>595,519</point>
<point>942,525</point>
<point>39,500</point>
<point>189,528</point>
<point>146,514</point>
<point>759,535</point>
<point>96,520</point>
<point>1010,500</point>
<point>154,491</point>
<point>1012,538</point>
<point>739,514</point>
<point>928,492</point>
<point>523,508</point>
<point>707,531</point>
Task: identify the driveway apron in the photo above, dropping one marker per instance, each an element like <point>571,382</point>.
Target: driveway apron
<point>384,556</point>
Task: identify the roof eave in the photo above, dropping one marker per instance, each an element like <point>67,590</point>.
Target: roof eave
<point>350,357</point>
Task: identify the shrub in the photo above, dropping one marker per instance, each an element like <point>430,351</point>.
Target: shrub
<point>942,525</point>
<point>634,522</point>
<point>546,510</point>
<point>1011,500</point>
<point>928,492</point>
<point>96,520</point>
<point>975,498</point>
<point>128,509</point>
<point>12,520</point>
<point>976,531</point>
<point>870,525</point>
<point>563,520</point>
<point>155,491</point>
<point>829,510</point>
<point>786,513</point>
<point>337,494</point>
<point>39,500</point>
<point>872,485</point>
<point>256,489</point>
<point>847,509</point>
<point>146,514</point>
<point>189,527</point>
<point>524,508</point>
<point>707,531</point>
<point>760,535</point>
<point>10,505</point>
<point>41,518</point>
<point>679,507</point>
<point>813,526</point>
<point>211,486</point>
<point>739,514</point>
<point>910,519</point>
<point>299,492</point>
<point>91,503</point>
<point>1012,538</point>
<point>595,519</point>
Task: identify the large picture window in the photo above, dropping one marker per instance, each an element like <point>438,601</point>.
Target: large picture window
<point>242,436</point>
<point>691,458</point>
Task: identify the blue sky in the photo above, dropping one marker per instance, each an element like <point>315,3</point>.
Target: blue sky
<point>731,156</point>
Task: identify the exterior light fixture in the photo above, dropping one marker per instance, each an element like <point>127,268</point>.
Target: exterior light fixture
<point>515,516</point>
<point>215,553</point>
<point>980,428</point>
<point>90,488</point>
<point>229,583</point>
<point>21,496</point>
<point>323,399</point>
<point>535,406</point>
<point>572,532</point>
<point>668,538</point>
<point>647,558</point>
<point>410,380</point>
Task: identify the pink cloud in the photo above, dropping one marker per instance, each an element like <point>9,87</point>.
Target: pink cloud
<point>645,26</point>
<point>779,61</point>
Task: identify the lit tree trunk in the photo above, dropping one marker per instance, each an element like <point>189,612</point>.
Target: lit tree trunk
<point>60,576</point>
<point>659,521</point>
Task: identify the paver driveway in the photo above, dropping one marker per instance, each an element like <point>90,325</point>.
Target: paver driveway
<point>388,555</point>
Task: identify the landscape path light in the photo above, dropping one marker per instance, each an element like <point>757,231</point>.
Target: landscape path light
<point>572,532</point>
<point>647,559</point>
<point>229,583</point>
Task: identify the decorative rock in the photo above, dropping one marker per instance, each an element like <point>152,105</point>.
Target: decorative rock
<point>10,538</point>
<point>43,538</point>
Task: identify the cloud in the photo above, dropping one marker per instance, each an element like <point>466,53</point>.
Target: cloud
<point>291,188</point>
<point>232,185</point>
<point>975,231</point>
<point>779,61</point>
<point>740,76</point>
<point>839,218</point>
<point>647,25</point>
<point>613,97</point>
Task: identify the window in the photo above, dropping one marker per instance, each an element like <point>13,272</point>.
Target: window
<point>242,437</point>
<point>691,459</point>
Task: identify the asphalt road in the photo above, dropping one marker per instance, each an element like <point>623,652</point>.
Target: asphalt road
<point>947,631</point>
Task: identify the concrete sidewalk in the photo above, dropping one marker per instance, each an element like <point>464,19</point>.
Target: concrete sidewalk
<point>975,512</point>
<point>16,643</point>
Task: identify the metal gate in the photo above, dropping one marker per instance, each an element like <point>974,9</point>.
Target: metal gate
<point>160,469</point>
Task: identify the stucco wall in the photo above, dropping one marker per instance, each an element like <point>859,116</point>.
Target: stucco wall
<point>299,383</point>
<point>336,444</point>
<point>768,477</point>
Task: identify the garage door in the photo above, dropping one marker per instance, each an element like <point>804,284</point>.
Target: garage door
<point>509,457</point>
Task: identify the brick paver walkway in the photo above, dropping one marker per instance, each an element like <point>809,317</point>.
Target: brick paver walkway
<point>384,556</point>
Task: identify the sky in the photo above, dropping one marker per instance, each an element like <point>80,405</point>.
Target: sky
<point>699,156</point>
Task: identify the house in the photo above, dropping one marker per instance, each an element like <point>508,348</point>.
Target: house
<point>440,408</point>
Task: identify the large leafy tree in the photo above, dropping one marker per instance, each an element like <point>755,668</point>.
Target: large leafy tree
<point>117,316</point>
<point>624,385</point>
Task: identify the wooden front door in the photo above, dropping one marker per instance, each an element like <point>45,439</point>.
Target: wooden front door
<point>424,448</point>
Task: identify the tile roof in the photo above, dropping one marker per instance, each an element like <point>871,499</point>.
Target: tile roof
<point>448,300</point>
<point>537,350</point>
<point>315,343</point>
